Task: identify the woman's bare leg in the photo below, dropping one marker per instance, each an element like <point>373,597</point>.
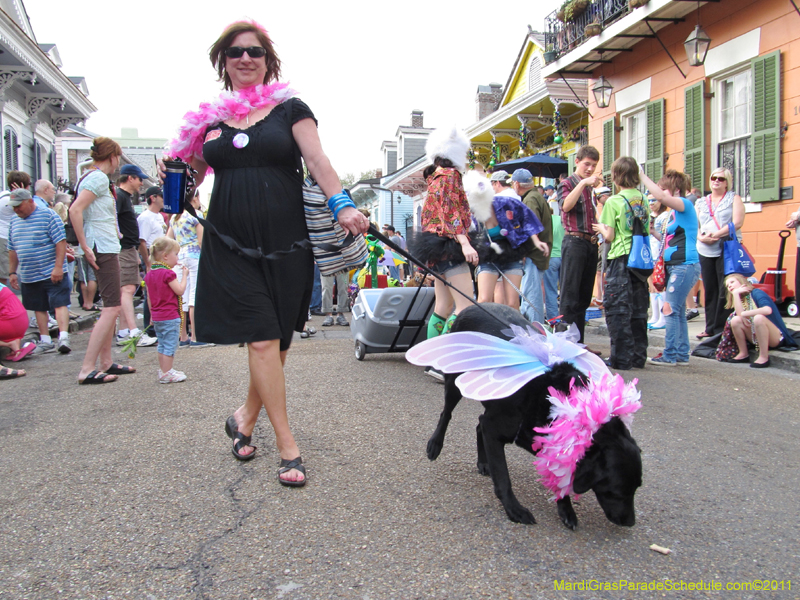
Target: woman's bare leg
<point>444,299</point>
<point>512,295</point>
<point>768,336</point>
<point>741,332</point>
<point>462,282</point>
<point>486,286</point>
<point>268,389</point>
<point>100,342</point>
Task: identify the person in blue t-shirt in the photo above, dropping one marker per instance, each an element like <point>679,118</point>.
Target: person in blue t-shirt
<point>680,261</point>
<point>756,320</point>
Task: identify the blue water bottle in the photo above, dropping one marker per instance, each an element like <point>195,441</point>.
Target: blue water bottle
<point>174,186</point>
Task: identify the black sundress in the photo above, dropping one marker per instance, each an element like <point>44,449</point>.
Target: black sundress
<point>257,200</point>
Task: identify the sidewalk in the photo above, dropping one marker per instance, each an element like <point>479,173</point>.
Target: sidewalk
<point>788,361</point>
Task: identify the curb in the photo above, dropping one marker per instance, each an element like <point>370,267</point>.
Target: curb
<point>786,361</point>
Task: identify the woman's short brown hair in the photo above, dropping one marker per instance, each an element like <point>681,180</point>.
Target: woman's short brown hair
<point>217,51</point>
<point>675,180</point>
<point>625,172</point>
<point>104,148</point>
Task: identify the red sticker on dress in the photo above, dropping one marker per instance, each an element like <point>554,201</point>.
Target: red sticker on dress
<point>212,135</point>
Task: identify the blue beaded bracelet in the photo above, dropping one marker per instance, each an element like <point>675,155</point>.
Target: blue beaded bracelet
<point>339,201</point>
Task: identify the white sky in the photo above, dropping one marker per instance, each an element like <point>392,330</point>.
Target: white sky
<point>361,66</point>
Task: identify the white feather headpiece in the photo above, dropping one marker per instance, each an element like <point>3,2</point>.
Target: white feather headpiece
<point>479,194</point>
<point>449,143</point>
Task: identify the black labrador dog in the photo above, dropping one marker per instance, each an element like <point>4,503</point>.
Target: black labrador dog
<point>612,467</point>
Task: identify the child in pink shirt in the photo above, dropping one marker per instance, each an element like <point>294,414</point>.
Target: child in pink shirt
<point>164,293</point>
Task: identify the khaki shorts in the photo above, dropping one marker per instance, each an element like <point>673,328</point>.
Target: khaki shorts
<point>108,279</point>
<point>129,267</point>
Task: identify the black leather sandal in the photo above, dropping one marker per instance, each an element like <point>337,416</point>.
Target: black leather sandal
<point>239,440</point>
<point>288,465</point>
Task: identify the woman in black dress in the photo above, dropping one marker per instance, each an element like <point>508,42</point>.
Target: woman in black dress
<point>251,138</point>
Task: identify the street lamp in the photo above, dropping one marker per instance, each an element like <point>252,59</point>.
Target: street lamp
<point>696,46</point>
<point>602,92</point>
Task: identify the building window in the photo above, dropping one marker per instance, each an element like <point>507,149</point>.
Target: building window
<point>535,73</point>
<point>635,131</point>
<point>10,150</point>
<point>734,107</point>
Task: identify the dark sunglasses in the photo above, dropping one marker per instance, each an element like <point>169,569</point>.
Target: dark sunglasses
<point>252,51</point>
<point>715,178</point>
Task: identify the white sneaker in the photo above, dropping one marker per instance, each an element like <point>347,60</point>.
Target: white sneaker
<point>51,322</point>
<point>171,376</point>
<point>44,348</point>
<point>146,340</point>
<point>121,339</point>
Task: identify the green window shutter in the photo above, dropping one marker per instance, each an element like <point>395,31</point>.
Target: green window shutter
<point>654,164</point>
<point>609,148</point>
<point>765,143</point>
<point>694,149</point>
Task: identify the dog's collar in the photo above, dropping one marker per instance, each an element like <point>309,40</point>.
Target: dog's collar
<point>576,418</point>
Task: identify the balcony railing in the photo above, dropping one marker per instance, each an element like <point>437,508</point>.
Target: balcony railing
<point>561,37</point>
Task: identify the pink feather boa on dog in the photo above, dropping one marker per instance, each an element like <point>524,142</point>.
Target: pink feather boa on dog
<point>230,105</point>
<point>576,418</point>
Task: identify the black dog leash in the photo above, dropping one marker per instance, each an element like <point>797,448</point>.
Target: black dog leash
<point>405,254</point>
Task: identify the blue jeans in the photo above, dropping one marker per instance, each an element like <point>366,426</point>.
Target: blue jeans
<point>316,293</point>
<point>532,289</point>
<point>551,277</point>
<point>680,279</point>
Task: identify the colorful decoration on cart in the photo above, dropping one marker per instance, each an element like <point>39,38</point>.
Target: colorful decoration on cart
<point>375,253</point>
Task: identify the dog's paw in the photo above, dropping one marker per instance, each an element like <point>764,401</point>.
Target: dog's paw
<point>520,514</point>
<point>483,469</point>
<point>434,448</point>
<point>567,514</point>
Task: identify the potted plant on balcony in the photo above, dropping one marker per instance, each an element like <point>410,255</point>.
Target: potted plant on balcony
<point>571,10</point>
<point>549,54</point>
<point>593,29</point>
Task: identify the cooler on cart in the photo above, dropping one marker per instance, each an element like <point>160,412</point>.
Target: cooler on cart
<point>390,319</point>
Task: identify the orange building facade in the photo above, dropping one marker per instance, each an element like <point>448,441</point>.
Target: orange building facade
<point>740,109</point>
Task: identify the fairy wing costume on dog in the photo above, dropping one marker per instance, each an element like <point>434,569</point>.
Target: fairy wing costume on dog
<point>493,368</point>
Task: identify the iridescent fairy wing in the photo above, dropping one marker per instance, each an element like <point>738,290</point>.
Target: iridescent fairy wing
<point>501,382</point>
<point>492,367</point>
<point>462,351</point>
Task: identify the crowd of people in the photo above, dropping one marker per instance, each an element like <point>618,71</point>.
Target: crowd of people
<point>239,274</point>
<point>586,259</point>
<point>52,244</point>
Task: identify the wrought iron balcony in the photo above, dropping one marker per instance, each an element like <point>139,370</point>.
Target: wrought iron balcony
<point>564,32</point>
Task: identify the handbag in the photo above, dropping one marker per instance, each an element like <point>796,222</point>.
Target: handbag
<point>659,271</point>
<point>332,251</point>
<point>736,257</point>
<point>727,347</point>
<point>640,260</point>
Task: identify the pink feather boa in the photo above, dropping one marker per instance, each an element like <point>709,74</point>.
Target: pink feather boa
<point>230,105</point>
<point>576,418</point>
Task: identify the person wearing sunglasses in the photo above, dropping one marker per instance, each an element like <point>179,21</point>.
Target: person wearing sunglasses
<point>714,212</point>
<point>253,136</point>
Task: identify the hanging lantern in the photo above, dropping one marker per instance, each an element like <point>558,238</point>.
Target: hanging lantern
<point>602,91</point>
<point>696,46</point>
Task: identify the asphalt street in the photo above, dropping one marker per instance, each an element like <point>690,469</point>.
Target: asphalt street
<point>129,490</point>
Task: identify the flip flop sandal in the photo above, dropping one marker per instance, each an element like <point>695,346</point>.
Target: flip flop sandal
<point>22,352</point>
<point>118,369</point>
<point>288,465</point>
<point>239,440</point>
<point>96,377</point>
<point>6,373</point>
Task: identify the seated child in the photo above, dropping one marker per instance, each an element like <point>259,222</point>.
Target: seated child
<point>756,319</point>
<point>164,293</point>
